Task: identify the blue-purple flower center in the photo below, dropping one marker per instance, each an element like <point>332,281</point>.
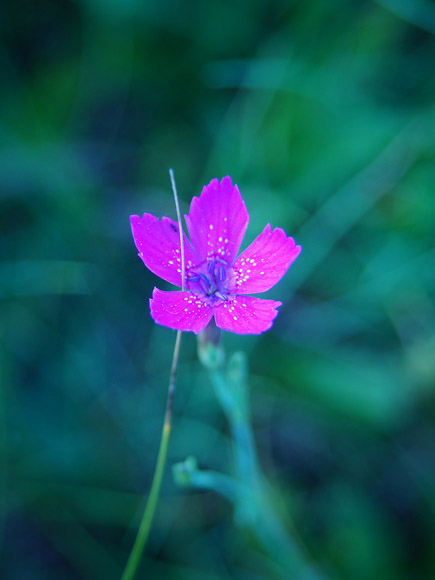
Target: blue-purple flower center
<point>209,280</point>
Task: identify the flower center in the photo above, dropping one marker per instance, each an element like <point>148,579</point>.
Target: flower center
<point>209,280</point>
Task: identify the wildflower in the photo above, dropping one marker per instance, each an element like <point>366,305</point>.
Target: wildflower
<point>216,282</point>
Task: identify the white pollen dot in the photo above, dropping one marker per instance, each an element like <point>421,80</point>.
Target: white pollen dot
<point>226,240</point>
<point>261,273</point>
<point>211,226</point>
<point>235,317</point>
<point>220,239</point>
<point>171,262</point>
<point>185,310</point>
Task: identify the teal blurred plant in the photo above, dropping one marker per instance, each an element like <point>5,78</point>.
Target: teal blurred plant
<point>248,489</point>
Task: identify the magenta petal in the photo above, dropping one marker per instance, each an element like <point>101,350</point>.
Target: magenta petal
<point>246,315</point>
<point>180,310</point>
<point>218,220</point>
<point>158,243</point>
<point>264,262</point>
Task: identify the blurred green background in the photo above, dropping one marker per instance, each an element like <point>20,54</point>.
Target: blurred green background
<point>323,113</point>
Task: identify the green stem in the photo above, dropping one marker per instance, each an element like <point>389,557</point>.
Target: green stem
<point>246,454</point>
<point>150,508</point>
<point>236,407</point>
<point>253,503</point>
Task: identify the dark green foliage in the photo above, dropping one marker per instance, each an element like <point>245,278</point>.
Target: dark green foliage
<point>323,113</point>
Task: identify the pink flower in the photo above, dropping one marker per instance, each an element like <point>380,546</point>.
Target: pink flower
<point>216,282</point>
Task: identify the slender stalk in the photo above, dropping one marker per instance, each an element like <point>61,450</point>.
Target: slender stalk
<point>180,225</point>
<point>150,508</point>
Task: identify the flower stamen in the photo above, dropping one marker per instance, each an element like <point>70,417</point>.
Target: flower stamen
<point>211,282</point>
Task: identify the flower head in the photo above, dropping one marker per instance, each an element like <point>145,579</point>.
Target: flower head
<point>216,281</point>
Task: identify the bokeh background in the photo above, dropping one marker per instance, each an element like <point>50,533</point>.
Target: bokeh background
<point>323,113</point>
